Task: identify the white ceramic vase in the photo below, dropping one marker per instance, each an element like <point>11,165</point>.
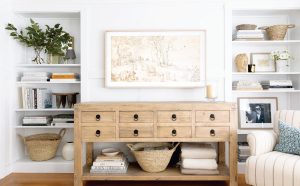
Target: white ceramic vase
<point>283,65</point>
<point>68,151</point>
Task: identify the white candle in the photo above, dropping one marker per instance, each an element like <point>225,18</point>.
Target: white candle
<point>211,91</point>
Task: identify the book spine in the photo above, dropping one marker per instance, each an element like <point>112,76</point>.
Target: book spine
<point>35,97</point>
<point>109,163</point>
<point>23,97</point>
<point>63,76</point>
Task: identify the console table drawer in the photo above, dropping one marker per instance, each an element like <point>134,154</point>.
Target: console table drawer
<point>136,117</point>
<point>98,133</point>
<point>213,116</point>
<point>101,117</point>
<point>174,116</point>
<point>136,130</point>
<point>212,132</point>
<point>174,132</point>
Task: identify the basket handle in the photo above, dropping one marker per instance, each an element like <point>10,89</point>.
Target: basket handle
<point>263,27</point>
<point>23,138</point>
<point>130,146</point>
<point>291,26</point>
<point>62,132</point>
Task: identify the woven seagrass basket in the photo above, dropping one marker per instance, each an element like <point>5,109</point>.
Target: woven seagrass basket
<point>42,147</point>
<point>152,160</point>
<point>277,32</point>
<point>246,27</point>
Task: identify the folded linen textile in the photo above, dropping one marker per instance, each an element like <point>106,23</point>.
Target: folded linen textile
<point>199,171</point>
<point>198,151</point>
<point>209,164</point>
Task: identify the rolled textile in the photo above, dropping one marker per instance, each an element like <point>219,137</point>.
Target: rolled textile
<point>199,171</point>
<point>209,164</point>
<point>198,151</point>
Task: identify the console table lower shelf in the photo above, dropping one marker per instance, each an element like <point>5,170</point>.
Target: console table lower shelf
<point>170,174</point>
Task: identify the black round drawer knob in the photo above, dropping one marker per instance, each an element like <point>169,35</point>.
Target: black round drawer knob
<point>212,117</point>
<point>135,117</point>
<point>98,117</point>
<point>212,132</point>
<point>174,132</point>
<point>174,117</point>
<point>135,132</point>
<point>98,132</point>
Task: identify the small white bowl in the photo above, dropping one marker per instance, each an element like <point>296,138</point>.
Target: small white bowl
<point>110,152</point>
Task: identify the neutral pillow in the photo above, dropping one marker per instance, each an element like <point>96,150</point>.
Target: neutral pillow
<point>289,139</point>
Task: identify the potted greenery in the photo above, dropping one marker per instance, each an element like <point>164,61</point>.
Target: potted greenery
<point>54,40</point>
<point>282,60</point>
<point>34,37</point>
<point>57,42</point>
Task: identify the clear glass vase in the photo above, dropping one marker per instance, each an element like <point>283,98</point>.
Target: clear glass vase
<point>38,58</point>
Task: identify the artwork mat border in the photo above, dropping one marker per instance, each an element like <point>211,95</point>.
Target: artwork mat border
<point>110,84</point>
<point>263,53</point>
<point>256,126</point>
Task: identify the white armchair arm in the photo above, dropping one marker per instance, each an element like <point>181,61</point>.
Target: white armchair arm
<point>261,142</point>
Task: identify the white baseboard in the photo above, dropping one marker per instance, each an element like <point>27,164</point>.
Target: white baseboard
<point>5,171</point>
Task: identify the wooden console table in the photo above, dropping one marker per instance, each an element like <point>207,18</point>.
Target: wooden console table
<point>155,122</point>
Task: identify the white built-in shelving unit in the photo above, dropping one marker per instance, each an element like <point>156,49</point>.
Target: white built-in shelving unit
<point>264,16</point>
<point>70,21</point>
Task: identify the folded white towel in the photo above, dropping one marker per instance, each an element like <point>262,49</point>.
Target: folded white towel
<point>198,151</point>
<point>209,164</point>
<point>198,171</point>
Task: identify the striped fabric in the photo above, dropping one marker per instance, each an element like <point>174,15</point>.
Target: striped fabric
<point>270,168</point>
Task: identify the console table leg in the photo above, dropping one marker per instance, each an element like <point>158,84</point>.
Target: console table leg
<point>221,153</point>
<point>233,163</point>
<point>89,153</point>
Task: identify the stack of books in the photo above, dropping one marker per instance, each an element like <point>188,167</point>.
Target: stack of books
<point>110,164</point>
<point>64,77</point>
<point>36,98</point>
<point>248,35</point>
<point>246,85</point>
<point>243,151</point>
<point>36,120</point>
<point>281,85</point>
<point>35,76</point>
<point>63,120</point>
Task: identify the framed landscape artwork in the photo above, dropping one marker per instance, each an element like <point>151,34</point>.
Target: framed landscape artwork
<point>155,59</point>
<point>257,112</point>
<point>262,62</point>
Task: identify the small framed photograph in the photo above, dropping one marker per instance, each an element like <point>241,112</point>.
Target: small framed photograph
<point>262,62</point>
<point>257,112</point>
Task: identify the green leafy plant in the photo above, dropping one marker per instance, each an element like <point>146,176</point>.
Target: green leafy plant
<point>33,37</point>
<point>57,40</point>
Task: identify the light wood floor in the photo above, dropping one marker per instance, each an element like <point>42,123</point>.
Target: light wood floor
<point>17,179</point>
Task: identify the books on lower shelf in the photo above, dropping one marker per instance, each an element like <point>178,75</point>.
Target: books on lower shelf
<point>114,165</point>
<point>243,151</point>
<point>263,85</point>
<point>36,98</point>
<point>246,85</point>
<point>63,120</point>
<point>36,120</point>
<point>64,77</point>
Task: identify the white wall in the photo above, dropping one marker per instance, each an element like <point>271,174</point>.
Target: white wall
<point>4,101</point>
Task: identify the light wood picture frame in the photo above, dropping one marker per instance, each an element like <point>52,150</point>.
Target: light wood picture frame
<point>257,112</point>
<point>174,59</point>
<point>262,62</point>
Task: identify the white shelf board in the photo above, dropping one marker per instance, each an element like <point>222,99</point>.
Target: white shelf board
<point>48,65</point>
<point>248,131</point>
<point>265,91</point>
<point>46,82</point>
<point>43,127</point>
<point>265,73</point>
<point>55,165</point>
<point>268,42</point>
<point>45,110</point>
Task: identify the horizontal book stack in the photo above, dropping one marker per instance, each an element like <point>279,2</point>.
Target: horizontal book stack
<point>248,35</point>
<point>246,85</point>
<point>243,151</point>
<point>64,77</point>
<point>35,76</point>
<point>63,120</point>
<point>110,164</point>
<point>36,120</point>
<point>36,98</point>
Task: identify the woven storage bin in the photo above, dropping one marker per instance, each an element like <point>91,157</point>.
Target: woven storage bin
<point>152,160</point>
<point>246,27</point>
<point>42,147</point>
<point>277,32</point>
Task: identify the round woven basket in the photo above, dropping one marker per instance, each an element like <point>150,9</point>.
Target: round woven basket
<point>152,160</point>
<point>42,147</point>
<point>277,32</point>
<point>246,27</point>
